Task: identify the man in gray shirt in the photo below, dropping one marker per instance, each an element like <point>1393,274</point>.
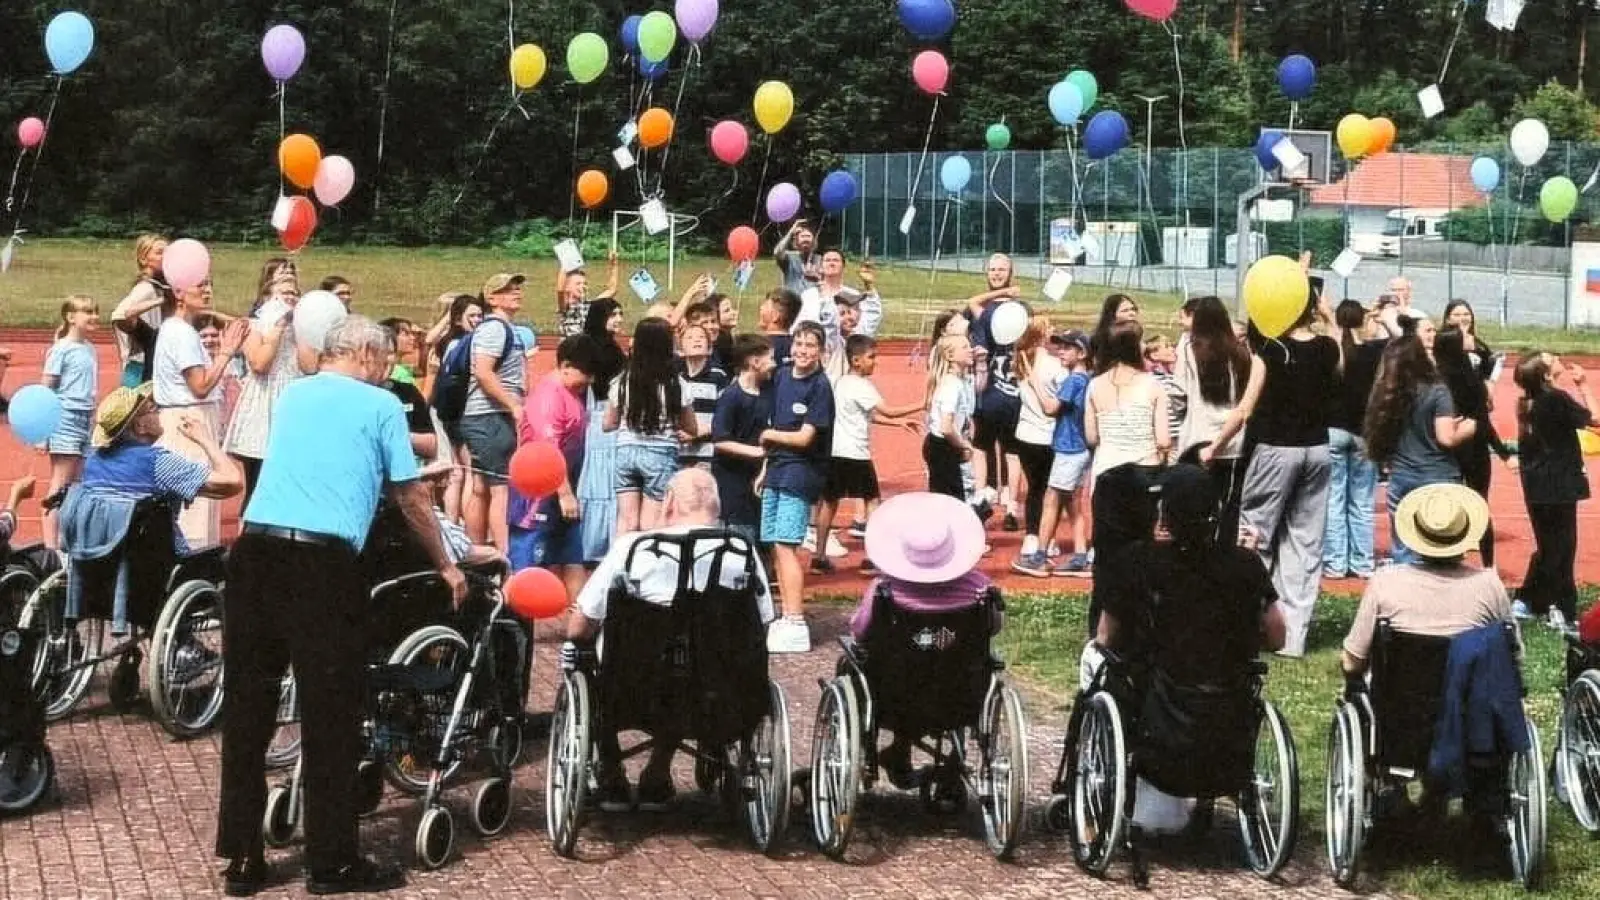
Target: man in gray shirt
<point>492,416</point>
<point>801,266</point>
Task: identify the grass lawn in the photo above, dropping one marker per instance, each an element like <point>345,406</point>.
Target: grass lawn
<point>1044,634</point>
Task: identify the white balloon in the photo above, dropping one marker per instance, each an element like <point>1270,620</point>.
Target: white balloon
<point>1529,140</point>
<point>314,316</point>
<point>1010,320</point>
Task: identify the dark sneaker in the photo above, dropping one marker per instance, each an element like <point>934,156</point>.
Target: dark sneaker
<point>361,877</point>
<point>1077,565</point>
<point>655,793</point>
<point>1034,564</point>
<point>244,878</point>
<point>614,795</point>
<point>1010,523</point>
<point>821,565</point>
<point>858,529</point>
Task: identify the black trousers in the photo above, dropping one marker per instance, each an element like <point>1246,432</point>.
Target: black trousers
<point>944,467</point>
<point>1550,576</point>
<point>252,475</point>
<point>306,604</point>
<point>1475,471</point>
<point>1227,475</point>
<point>1036,460</point>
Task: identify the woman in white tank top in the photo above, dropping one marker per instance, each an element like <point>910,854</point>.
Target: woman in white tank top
<point>1126,416</point>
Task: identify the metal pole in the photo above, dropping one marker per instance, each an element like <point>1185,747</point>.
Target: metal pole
<point>1244,246</point>
<point>1450,244</point>
<point>984,216</point>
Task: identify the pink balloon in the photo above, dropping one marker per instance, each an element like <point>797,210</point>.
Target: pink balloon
<point>335,177</point>
<point>1159,10</point>
<point>931,71</point>
<point>186,264</point>
<point>729,142</point>
<point>30,132</point>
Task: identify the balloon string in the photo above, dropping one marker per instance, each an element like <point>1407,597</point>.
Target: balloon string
<point>1183,153</point>
<point>926,140</point>
<point>1505,272</point>
<point>11,193</point>
<point>482,153</point>
<point>511,36</point>
<point>283,90</point>
<point>38,154</point>
<point>933,269</point>
<point>1449,51</point>
<point>1077,185</point>
<point>1294,112</point>
<point>572,178</point>
<point>383,107</point>
<point>761,182</point>
<point>688,71</point>
<point>725,194</point>
<point>997,198</point>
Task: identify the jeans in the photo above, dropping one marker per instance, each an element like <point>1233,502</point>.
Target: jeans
<point>1401,484</point>
<point>1352,488</point>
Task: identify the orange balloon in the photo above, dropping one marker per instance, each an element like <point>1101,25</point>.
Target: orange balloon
<point>1383,134</point>
<point>655,128</point>
<point>536,594</point>
<point>298,159</point>
<point>592,188</point>
<point>537,469</point>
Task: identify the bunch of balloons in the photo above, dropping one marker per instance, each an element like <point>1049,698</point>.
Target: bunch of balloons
<point>1360,136</point>
<point>1073,96</point>
<point>329,178</point>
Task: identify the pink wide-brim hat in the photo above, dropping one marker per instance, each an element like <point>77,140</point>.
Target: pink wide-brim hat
<point>924,538</point>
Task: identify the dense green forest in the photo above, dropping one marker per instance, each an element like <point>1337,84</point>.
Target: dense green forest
<point>172,122</point>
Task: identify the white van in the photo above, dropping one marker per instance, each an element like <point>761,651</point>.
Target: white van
<point>1411,225</point>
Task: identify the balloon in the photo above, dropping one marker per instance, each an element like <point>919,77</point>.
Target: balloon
<point>774,105</point>
<point>68,41</point>
<point>1159,10</point>
<point>928,20</point>
<point>1529,140</point>
<point>729,142</point>
<point>1275,294</point>
<point>527,67</point>
<point>998,137</point>
<point>931,71</point>
<point>696,18</point>
<point>1106,133</point>
<point>838,191</point>
<point>1086,85</point>
<point>955,173</point>
<point>743,244</point>
<point>35,412</point>
<point>1383,135</point>
<point>283,49</point>
<point>186,264</point>
<point>298,159</point>
<point>655,128</point>
<point>536,593</point>
<point>1264,145</point>
<point>657,34</point>
<point>335,177</point>
<point>592,188</point>
<point>1588,442</point>
<point>1355,135</point>
<point>586,57</point>
<point>1297,76</point>
<point>315,315</point>
<point>1010,320</point>
<point>537,469</point>
<point>1557,198</point>
<point>30,132</point>
<point>1485,174</point>
<point>302,222</point>
<point>630,33</point>
<point>783,202</point>
<point>526,338</point>
<point>652,71</point>
<point>1066,103</point>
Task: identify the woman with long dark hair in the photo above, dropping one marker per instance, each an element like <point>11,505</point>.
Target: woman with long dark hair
<point>1353,479</point>
<point>1470,394</point>
<point>647,412</point>
<point>1484,360</point>
<point>597,486</point>
<point>1214,371</point>
<point>1116,309</point>
<point>1553,479</point>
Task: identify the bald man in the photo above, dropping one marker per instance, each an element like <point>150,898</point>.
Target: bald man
<point>1400,287</point>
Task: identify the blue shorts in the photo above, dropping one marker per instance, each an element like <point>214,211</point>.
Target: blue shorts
<point>71,437</point>
<point>646,468</point>
<point>548,543</point>
<point>784,518</point>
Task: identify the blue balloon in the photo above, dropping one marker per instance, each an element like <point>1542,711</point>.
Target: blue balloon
<point>35,413</point>
<point>68,41</point>
<point>928,20</point>
<point>526,336</point>
<point>1066,103</point>
<point>1297,75</point>
<point>1264,145</point>
<point>1485,174</point>
<point>630,33</point>
<point>955,173</point>
<point>1106,133</point>
<point>838,191</point>
<point>652,70</point>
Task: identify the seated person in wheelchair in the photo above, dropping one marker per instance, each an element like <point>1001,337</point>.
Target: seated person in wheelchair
<point>927,547</point>
<point>21,490</point>
<point>691,503</point>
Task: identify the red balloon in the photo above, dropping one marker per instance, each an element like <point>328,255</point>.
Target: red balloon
<point>538,469</point>
<point>743,244</point>
<point>302,222</point>
<point>536,594</point>
<point>1159,10</point>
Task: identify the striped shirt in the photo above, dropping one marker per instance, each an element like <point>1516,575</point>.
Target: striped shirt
<point>700,393</point>
<point>570,321</point>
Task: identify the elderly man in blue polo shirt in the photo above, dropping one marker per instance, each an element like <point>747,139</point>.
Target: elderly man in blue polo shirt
<point>296,594</point>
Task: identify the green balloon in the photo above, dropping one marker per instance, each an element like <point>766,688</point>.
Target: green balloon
<point>657,34</point>
<point>998,136</point>
<point>586,57</point>
<point>1087,86</point>
<point>1558,198</point>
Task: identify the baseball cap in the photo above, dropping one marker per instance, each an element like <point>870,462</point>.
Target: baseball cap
<point>1071,336</point>
<point>498,283</point>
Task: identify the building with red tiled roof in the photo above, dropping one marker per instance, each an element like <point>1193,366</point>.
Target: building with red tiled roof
<point>1398,196</point>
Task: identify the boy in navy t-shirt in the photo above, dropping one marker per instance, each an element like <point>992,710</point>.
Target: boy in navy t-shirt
<point>799,442</point>
<point>743,412</point>
<point>778,312</point>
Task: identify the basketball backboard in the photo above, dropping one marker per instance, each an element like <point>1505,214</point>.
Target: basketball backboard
<point>1315,149</point>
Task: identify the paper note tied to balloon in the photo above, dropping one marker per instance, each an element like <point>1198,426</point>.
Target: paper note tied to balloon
<point>1056,286</point>
<point>644,285</point>
<point>623,157</point>
<point>1503,14</point>
<point>569,256</point>
<point>654,215</point>
<point>909,217</point>
<point>1290,159</point>
<point>1432,102</point>
<point>1346,262</point>
<point>627,133</point>
<point>281,214</point>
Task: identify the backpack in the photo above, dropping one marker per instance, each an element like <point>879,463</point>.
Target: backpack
<point>454,381</point>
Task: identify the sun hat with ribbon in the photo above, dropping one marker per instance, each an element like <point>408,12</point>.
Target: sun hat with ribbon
<point>924,538</point>
<point>1441,521</point>
<point>116,412</point>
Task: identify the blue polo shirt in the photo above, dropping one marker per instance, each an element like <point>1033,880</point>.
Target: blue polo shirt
<point>1073,394</point>
<point>335,442</point>
<point>798,401</point>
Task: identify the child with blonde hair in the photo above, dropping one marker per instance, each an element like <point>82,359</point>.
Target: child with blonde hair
<point>72,370</point>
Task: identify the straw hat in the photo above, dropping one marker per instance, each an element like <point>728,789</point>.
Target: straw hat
<point>1441,521</point>
<point>924,538</point>
<point>117,411</point>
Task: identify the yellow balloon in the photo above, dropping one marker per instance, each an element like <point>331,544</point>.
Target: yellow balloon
<point>527,67</point>
<point>1589,442</point>
<point>774,106</point>
<point>1275,293</point>
<point>1355,135</point>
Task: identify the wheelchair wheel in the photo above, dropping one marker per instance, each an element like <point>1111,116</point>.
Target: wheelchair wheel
<point>439,647</point>
<point>278,824</point>
<point>1003,769</point>
<point>763,776</point>
<point>436,837</point>
<point>1344,795</point>
<point>506,742</point>
<point>835,767</point>
<point>491,807</point>
<point>569,763</point>
<point>1101,785</point>
<point>185,666</point>
<point>1269,809</point>
<point>1578,753</point>
<point>285,746</point>
<point>27,772</point>
<point>1527,823</point>
<point>123,686</point>
<point>17,584</point>
<point>369,787</point>
<point>61,669</point>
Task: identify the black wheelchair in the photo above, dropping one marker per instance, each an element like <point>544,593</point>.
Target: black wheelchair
<point>930,678</point>
<point>696,668</point>
<point>27,768</point>
<point>1577,758</point>
<point>1204,742</point>
<point>1380,740</point>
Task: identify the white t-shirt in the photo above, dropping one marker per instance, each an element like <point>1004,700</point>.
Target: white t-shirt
<point>954,396</point>
<point>142,292</point>
<point>1033,425</point>
<point>178,348</point>
<point>854,399</point>
<point>654,577</point>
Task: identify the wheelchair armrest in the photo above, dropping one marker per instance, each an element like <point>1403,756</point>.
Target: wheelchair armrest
<point>1354,686</point>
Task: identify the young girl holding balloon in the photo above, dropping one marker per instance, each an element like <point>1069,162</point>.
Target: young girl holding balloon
<point>72,370</point>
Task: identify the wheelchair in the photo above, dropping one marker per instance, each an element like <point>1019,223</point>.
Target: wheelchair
<point>27,768</point>
<point>1216,740</point>
<point>1577,758</point>
<point>174,603</point>
<point>1381,736</point>
<point>929,677</point>
<point>696,668</point>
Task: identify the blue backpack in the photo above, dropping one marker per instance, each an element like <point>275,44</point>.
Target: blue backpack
<point>454,381</point>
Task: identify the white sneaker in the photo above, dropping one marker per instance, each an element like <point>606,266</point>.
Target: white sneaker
<point>1557,620</point>
<point>835,549</point>
<point>788,635</point>
<point>1030,545</point>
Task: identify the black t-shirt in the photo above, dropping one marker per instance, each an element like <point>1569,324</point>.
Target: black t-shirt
<point>418,421</point>
<point>739,417</point>
<point>1552,459</point>
<point>1301,391</point>
<point>1360,372</point>
<point>1001,398</point>
<point>1205,611</point>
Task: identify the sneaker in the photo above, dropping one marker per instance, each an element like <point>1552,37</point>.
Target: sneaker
<point>821,565</point>
<point>895,760</point>
<point>1076,566</point>
<point>1521,610</point>
<point>789,635</point>
<point>858,530</point>
<point>1030,545</point>
<point>1010,523</point>
<point>835,549</point>
<point>1329,573</point>
<point>1053,551</point>
<point>613,794</point>
<point>1033,564</point>
<point>655,793</point>
<point>1557,620</point>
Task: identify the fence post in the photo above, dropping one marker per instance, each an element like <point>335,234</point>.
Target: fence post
<point>1566,275</point>
<point>1450,244</point>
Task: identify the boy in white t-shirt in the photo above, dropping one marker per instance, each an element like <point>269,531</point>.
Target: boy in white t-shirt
<point>857,407</point>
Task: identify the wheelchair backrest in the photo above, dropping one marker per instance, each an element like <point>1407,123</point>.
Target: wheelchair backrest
<point>149,550</point>
<point>21,713</point>
<point>929,670</point>
<point>1407,691</point>
<point>392,550</point>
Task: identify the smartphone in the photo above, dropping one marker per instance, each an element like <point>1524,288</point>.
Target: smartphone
<point>1316,285</point>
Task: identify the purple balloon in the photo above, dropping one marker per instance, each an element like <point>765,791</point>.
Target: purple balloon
<point>783,202</point>
<point>696,18</point>
<point>282,51</point>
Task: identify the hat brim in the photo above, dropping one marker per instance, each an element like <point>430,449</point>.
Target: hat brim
<point>910,512</point>
<point>101,438</point>
<point>1405,521</point>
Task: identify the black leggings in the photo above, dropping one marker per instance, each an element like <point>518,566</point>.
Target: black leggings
<point>1550,577</point>
<point>1475,471</point>
<point>944,467</point>
<point>252,475</point>
<point>1036,460</point>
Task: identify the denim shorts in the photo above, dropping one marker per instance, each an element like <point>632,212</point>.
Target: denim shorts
<point>71,437</point>
<point>491,438</point>
<point>784,517</point>
<point>646,468</point>
<point>553,542</point>
<point>1068,469</point>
